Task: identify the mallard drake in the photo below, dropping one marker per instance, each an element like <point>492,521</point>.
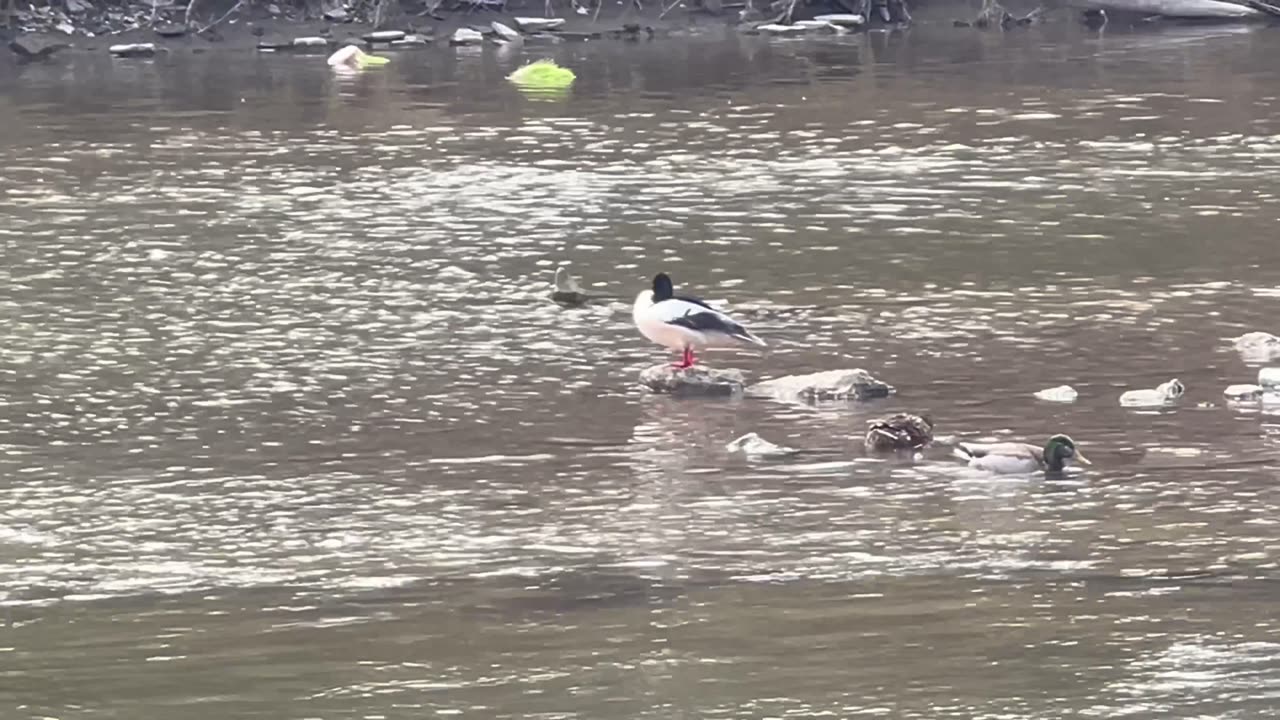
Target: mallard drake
<point>685,323</point>
<point>900,432</point>
<point>567,291</point>
<point>1018,458</point>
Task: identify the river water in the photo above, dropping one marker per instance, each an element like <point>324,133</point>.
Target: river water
<point>290,429</point>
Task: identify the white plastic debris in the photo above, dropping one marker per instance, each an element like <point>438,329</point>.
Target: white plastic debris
<point>1061,393</point>
<point>754,446</point>
<point>1163,394</point>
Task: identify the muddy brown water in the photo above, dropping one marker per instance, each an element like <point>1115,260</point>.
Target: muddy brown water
<point>290,431</point>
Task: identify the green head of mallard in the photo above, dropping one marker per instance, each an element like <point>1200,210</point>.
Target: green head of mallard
<point>1059,449</point>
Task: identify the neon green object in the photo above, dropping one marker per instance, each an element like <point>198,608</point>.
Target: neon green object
<point>372,60</point>
<point>544,76</point>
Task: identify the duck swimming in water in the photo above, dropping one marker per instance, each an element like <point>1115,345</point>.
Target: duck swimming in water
<point>1019,458</point>
<point>900,432</point>
<point>685,323</point>
<point>567,290</point>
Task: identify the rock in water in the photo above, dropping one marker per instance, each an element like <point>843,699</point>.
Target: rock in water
<point>779,29</point>
<point>1257,347</point>
<point>33,48</point>
<point>754,446</point>
<point>465,36</point>
<point>1243,393</point>
<point>845,19</point>
<point>337,15</point>
<point>170,31</point>
<point>384,36</point>
<point>310,42</point>
<point>1061,393</point>
<point>505,32</point>
<point>697,380</point>
<point>133,50</point>
<point>856,384</point>
<point>530,24</point>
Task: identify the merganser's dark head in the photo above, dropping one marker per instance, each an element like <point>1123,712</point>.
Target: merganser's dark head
<point>662,288</point>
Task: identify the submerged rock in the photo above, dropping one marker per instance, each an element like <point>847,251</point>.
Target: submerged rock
<point>274,42</point>
<point>411,41</point>
<point>754,446</point>
<point>697,380</point>
<point>133,50</point>
<point>465,36</point>
<point>855,384</point>
<point>532,24</point>
<point>1163,394</point>
<point>33,48</point>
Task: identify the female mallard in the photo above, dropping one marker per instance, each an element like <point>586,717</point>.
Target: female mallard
<point>1019,458</point>
<point>567,290</point>
<point>900,432</point>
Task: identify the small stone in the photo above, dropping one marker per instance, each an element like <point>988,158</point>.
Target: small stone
<point>505,32</point>
<point>65,28</point>
<point>310,42</point>
<point>531,24</point>
<point>384,36</point>
<point>1243,393</point>
<point>1061,393</point>
<point>1257,347</point>
<point>274,42</point>
<point>32,48</point>
<point>776,29</point>
<point>337,15</point>
<point>754,446</point>
<point>78,7</point>
<point>465,36</point>
<point>274,10</point>
<point>696,381</point>
<point>170,31</point>
<point>855,384</point>
<point>852,20</point>
<point>412,41</point>
<point>133,50</point>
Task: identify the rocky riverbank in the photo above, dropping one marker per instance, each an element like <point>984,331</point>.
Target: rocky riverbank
<point>142,28</point>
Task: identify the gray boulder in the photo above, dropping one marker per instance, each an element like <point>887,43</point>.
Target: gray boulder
<point>695,381</point>
<point>855,384</point>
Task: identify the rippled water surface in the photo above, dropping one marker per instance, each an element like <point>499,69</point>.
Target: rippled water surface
<point>290,430</point>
